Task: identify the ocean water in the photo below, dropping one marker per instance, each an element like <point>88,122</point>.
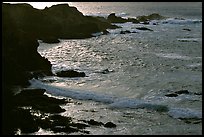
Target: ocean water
<point>143,67</point>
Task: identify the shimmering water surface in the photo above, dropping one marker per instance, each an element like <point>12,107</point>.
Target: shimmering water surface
<point>143,67</point>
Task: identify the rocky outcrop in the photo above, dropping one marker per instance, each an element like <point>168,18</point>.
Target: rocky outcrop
<point>154,16</point>
<point>140,19</point>
<point>114,19</point>
<point>58,21</point>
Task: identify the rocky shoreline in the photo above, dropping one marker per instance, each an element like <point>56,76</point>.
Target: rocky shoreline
<point>22,27</point>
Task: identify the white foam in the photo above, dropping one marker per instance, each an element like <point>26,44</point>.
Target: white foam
<point>188,39</point>
<point>194,65</point>
<point>114,102</point>
<point>180,21</point>
<point>184,113</point>
<point>82,95</point>
<point>97,34</point>
<point>173,56</point>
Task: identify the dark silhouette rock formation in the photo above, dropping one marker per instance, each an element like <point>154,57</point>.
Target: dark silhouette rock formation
<point>22,26</point>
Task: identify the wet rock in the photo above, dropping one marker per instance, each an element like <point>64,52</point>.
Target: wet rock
<point>23,120</point>
<point>143,28</point>
<point>186,29</point>
<point>110,125</point>
<point>49,108</point>
<point>171,95</point>
<point>154,16</point>
<point>132,20</point>
<point>65,129</point>
<point>106,71</point>
<point>79,125</point>
<point>192,120</point>
<point>198,93</point>
<point>125,32</point>
<point>145,22</point>
<point>70,73</point>
<point>93,122</point>
<point>114,19</point>
<point>39,101</point>
<point>182,92</point>
<point>32,92</point>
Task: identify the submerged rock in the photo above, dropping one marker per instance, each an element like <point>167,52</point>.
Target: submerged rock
<point>70,73</point>
<point>143,28</point>
<point>125,32</point>
<point>171,95</point>
<point>182,92</point>
<point>186,29</point>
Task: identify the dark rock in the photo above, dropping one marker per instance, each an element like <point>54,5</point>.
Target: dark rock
<point>198,93</point>
<point>171,95</point>
<point>93,122</point>
<point>32,92</point>
<point>114,19</point>
<point>105,32</point>
<point>110,125</point>
<point>79,125</point>
<point>22,26</point>
<point>187,29</point>
<point>132,20</point>
<point>154,16</point>
<point>50,40</point>
<point>24,120</point>
<point>143,28</point>
<point>70,73</point>
<point>39,101</point>
<point>51,108</point>
<point>182,92</point>
<point>145,22</point>
<point>125,32</point>
<point>105,71</point>
<point>65,129</point>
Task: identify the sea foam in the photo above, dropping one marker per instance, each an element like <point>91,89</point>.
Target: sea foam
<point>115,102</point>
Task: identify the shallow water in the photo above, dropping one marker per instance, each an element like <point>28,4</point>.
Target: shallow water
<point>143,67</point>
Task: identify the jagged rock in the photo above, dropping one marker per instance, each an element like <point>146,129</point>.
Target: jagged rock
<point>114,19</point>
<point>70,73</point>
<point>154,16</point>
